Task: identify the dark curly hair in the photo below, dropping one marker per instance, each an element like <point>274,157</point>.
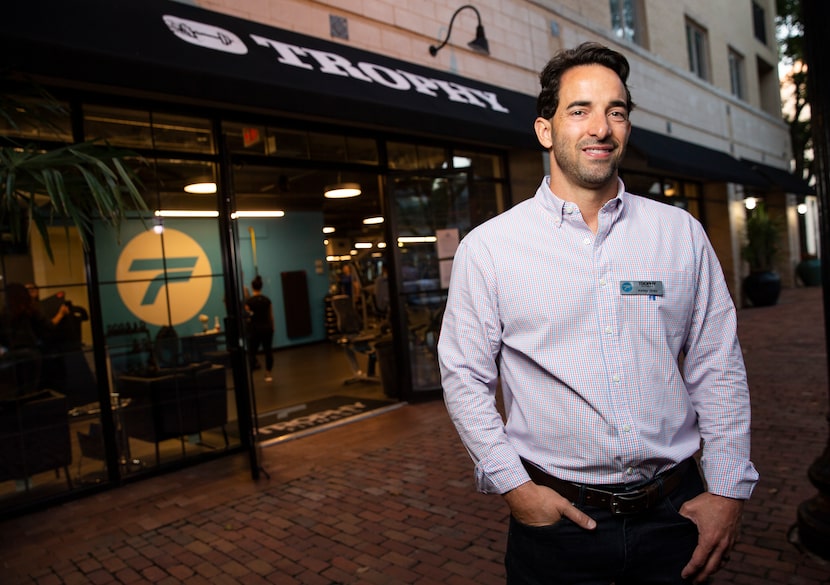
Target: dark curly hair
<point>588,53</point>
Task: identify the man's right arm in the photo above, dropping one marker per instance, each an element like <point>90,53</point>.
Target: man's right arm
<point>536,505</point>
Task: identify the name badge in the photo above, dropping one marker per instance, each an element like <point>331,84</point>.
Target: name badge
<point>642,287</point>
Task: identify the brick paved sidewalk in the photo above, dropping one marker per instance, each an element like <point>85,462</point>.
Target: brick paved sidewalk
<point>389,500</point>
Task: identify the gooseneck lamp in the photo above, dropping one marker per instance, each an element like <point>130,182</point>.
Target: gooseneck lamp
<point>478,44</point>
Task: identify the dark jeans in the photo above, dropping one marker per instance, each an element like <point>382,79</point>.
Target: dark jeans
<point>261,338</point>
<point>650,548</point>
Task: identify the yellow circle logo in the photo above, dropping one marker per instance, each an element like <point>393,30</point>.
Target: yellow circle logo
<point>163,279</point>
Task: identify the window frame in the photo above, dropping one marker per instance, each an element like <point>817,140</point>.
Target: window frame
<point>697,48</point>
<point>759,23</point>
<point>737,73</point>
<point>618,10</point>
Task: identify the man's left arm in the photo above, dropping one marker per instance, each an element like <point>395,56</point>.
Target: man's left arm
<point>716,380</point>
<point>718,520</point>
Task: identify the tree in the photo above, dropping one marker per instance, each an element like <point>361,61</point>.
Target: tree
<point>796,111</point>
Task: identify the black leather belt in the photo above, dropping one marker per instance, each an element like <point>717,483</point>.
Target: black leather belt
<point>617,500</point>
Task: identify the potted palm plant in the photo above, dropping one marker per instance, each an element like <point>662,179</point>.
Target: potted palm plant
<point>71,185</point>
<point>762,286</point>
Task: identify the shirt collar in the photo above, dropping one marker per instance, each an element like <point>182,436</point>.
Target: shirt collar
<point>557,207</point>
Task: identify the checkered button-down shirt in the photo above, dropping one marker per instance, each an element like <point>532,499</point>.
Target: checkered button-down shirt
<point>585,332</point>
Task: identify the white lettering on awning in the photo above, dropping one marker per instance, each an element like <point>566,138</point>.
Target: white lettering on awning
<point>397,79</point>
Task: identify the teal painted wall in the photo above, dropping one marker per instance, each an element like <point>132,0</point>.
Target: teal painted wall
<point>190,255</point>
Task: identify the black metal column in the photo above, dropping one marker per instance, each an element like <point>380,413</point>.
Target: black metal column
<point>814,514</point>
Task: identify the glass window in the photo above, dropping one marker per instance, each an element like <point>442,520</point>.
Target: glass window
<point>119,127</point>
<point>181,133</point>
<point>288,143</point>
<point>736,73</point>
<point>487,201</point>
<point>48,383</point>
<point>299,144</point>
<point>245,138</point>
<point>482,165</point>
<point>696,45</point>
<point>406,156</point>
<point>35,119</point>
<point>145,130</point>
<point>162,306</point>
<point>361,150</point>
<point>327,146</point>
<point>675,192</point>
<point>627,20</point>
<point>759,23</point>
<point>172,184</point>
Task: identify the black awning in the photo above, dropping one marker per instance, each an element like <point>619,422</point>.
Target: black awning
<point>684,158</point>
<point>173,48</point>
<point>784,180</point>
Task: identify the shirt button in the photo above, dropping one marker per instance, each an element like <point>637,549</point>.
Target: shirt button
<point>615,377</point>
<point>627,428</point>
<point>609,330</point>
<point>587,241</point>
<point>602,282</point>
<point>629,471</point>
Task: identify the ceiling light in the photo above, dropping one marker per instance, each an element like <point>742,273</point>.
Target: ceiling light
<point>328,229</point>
<point>262,213</point>
<point>342,190</point>
<point>373,220</point>
<point>802,208</point>
<point>200,188</point>
<point>362,245</point>
<point>417,239</point>
<point>750,202</point>
<point>185,213</point>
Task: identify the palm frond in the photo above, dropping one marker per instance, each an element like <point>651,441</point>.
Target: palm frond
<point>82,183</point>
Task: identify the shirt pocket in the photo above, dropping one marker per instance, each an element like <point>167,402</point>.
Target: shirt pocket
<point>656,317</point>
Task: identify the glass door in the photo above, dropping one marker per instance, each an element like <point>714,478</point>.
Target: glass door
<point>430,211</point>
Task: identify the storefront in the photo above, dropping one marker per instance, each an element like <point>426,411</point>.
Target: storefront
<point>266,121</point>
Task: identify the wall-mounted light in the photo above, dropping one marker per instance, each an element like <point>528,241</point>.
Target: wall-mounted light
<point>200,188</point>
<point>328,229</point>
<point>478,44</point>
<point>801,208</point>
<point>374,220</point>
<point>342,190</point>
<point>751,202</point>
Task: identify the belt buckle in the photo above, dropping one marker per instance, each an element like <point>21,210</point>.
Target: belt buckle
<point>624,503</point>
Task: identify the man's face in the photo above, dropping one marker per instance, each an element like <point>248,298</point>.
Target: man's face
<point>588,131</point>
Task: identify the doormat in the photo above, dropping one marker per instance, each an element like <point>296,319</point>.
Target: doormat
<point>315,414</point>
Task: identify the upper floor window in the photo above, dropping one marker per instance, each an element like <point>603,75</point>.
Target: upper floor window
<point>627,20</point>
<point>759,22</point>
<point>736,74</point>
<point>697,45</point>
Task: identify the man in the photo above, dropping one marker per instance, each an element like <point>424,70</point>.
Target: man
<point>606,320</point>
